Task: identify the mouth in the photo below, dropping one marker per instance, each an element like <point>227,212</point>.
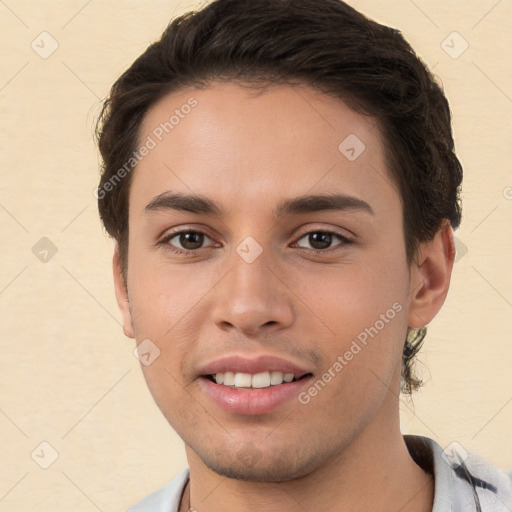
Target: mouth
<point>244,385</point>
<point>239,392</point>
<point>261,380</point>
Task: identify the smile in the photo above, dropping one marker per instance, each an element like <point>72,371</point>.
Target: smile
<point>255,381</point>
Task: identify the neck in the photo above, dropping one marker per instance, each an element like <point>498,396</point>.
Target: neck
<point>375,473</point>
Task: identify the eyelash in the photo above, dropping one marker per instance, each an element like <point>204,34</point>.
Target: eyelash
<point>185,252</point>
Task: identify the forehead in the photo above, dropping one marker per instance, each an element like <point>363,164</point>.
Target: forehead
<point>284,140</point>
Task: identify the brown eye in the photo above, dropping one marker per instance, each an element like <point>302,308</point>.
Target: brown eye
<point>321,240</point>
<point>191,240</point>
<point>185,241</point>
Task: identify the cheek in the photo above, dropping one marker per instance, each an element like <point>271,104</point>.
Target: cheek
<point>352,296</point>
<point>363,305</point>
<point>161,313</point>
<point>168,309</point>
<point>162,295</point>
<point>364,310</point>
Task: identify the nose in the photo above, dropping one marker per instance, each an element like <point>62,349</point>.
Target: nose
<point>252,298</point>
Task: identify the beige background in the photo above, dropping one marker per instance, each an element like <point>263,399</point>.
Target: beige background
<point>68,376</point>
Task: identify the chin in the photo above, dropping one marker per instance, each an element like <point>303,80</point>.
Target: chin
<point>249,464</point>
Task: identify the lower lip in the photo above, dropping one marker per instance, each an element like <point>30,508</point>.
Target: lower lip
<point>253,401</point>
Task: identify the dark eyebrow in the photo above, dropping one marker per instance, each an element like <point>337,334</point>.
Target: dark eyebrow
<point>304,204</point>
<point>311,204</point>
<point>181,202</point>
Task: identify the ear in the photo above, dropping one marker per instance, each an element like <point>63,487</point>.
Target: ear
<point>430,277</point>
<point>122,294</point>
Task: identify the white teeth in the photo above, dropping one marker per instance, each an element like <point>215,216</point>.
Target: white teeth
<point>229,379</point>
<point>276,378</point>
<point>243,380</point>
<point>261,380</point>
<point>258,380</point>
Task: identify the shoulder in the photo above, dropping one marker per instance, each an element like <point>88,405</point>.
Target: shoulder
<point>463,480</point>
<point>478,481</point>
<point>166,499</point>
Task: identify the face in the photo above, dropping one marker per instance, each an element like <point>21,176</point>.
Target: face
<point>266,243</point>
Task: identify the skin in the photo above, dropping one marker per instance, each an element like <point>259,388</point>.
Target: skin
<point>343,451</point>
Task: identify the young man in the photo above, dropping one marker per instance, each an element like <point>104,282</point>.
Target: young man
<point>280,181</point>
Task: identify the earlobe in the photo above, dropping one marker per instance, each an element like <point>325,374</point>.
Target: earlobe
<point>430,277</point>
<point>121,290</point>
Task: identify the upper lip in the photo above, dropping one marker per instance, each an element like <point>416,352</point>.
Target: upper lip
<point>252,365</point>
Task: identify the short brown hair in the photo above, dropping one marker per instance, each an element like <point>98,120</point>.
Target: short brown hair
<point>325,44</point>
